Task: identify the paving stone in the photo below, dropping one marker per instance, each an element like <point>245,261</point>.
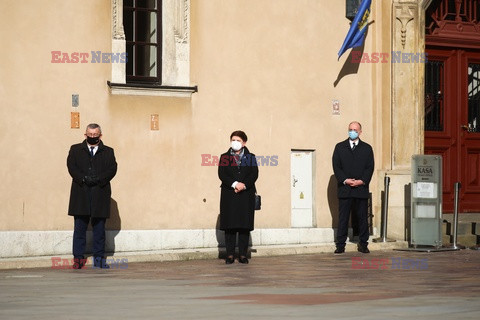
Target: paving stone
<point>467,240</point>
<point>384,284</point>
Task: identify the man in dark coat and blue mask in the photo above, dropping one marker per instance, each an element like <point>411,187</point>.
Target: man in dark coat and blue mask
<point>353,165</point>
<point>91,165</point>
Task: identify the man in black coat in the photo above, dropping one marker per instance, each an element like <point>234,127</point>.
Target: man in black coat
<point>353,165</point>
<point>238,172</point>
<point>91,165</point>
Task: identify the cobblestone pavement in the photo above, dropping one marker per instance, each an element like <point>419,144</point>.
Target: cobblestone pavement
<point>380,285</point>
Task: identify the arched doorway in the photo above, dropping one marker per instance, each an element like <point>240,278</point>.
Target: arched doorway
<point>452,96</point>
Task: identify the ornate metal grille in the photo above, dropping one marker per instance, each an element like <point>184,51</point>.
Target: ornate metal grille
<point>434,102</point>
<point>445,16</point>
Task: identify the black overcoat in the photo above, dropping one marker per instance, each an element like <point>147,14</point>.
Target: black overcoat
<point>237,210</point>
<point>90,201</point>
<point>357,164</point>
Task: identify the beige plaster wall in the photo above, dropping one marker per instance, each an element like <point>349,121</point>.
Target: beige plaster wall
<point>266,67</point>
<point>381,26</point>
<point>36,103</point>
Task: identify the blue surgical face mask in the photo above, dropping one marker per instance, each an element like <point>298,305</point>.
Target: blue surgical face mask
<point>353,135</point>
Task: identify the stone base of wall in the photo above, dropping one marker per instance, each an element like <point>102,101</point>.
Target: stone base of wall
<point>48,243</point>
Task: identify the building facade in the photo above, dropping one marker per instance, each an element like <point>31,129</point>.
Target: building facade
<point>169,80</point>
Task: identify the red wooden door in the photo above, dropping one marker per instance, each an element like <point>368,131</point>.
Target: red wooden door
<point>452,122</point>
<point>470,131</point>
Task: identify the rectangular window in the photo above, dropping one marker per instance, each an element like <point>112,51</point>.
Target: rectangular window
<point>142,21</point>
<point>474,97</point>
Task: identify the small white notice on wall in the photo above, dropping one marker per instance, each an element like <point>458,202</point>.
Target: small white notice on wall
<point>335,107</point>
<point>426,190</point>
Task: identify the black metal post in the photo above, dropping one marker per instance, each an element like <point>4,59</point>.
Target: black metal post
<point>455,245</point>
<point>383,227</point>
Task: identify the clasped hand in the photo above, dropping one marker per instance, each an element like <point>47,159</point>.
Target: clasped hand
<point>239,187</point>
<point>91,180</point>
<point>353,182</point>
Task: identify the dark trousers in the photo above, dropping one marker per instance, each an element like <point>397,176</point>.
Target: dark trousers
<point>360,208</point>
<point>80,236</point>
<point>231,239</point>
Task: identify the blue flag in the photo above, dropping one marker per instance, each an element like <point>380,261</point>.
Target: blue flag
<point>356,34</point>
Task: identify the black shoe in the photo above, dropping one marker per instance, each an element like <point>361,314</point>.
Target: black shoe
<point>100,262</point>
<point>243,260</point>
<point>229,260</point>
<point>79,263</point>
<point>363,249</point>
<point>339,250</point>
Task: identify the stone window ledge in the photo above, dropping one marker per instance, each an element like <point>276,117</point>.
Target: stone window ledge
<point>151,90</point>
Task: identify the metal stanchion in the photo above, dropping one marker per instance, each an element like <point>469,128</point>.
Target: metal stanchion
<point>383,229</point>
<point>454,245</point>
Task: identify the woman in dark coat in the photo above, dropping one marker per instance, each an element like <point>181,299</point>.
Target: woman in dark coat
<point>238,172</point>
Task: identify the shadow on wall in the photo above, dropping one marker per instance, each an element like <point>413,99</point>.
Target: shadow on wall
<point>333,201</point>
<point>222,254</point>
<point>350,67</point>
<point>408,213</point>
<point>112,227</point>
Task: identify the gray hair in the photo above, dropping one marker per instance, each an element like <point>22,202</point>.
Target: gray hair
<point>94,126</point>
